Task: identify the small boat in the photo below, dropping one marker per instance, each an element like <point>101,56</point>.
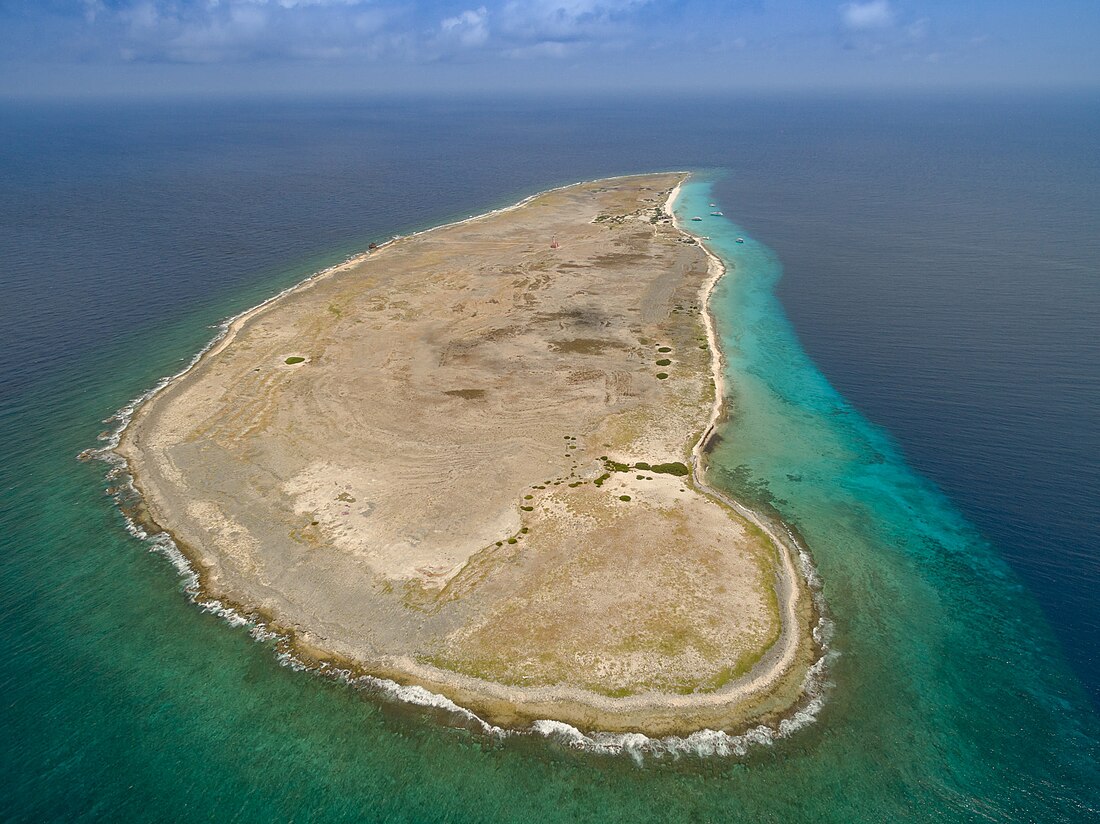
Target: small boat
<point>740,240</point>
<point>717,214</point>
<point>713,205</point>
<point>697,218</point>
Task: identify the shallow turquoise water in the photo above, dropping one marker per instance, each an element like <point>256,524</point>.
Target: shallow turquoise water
<point>949,693</point>
<point>949,701</point>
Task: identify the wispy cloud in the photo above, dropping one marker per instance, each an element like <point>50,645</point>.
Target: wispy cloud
<point>918,29</point>
<point>736,41</point>
<point>210,31</point>
<point>533,22</point>
<point>875,14</point>
<point>92,9</point>
<point>469,29</point>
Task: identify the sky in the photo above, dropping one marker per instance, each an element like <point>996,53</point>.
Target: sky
<point>142,47</point>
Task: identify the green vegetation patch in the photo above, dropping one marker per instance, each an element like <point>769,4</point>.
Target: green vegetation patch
<point>676,468</point>
<point>664,349</point>
<point>662,376</point>
<point>584,346</point>
<point>293,359</point>
<point>624,497</point>
<point>664,362</point>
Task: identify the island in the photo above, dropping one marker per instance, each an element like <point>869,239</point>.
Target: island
<point>474,459</point>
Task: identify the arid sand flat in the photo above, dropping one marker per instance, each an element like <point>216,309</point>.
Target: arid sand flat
<point>465,460</point>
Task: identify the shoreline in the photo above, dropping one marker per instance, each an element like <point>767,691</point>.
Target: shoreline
<point>302,650</point>
<point>785,548</point>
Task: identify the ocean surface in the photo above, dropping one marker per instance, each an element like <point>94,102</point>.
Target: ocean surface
<point>914,371</point>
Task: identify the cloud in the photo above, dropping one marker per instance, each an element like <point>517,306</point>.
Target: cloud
<point>92,9</point>
<point>269,31</point>
<point>875,14</point>
<point>240,30</point>
<point>536,28</point>
<point>540,21</point>
<point>211,31</point>
<point>294,4</point>
<point>469,29</point>
<point>918,29</point>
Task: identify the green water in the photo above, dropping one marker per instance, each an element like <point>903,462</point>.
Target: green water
<point>126,702</point>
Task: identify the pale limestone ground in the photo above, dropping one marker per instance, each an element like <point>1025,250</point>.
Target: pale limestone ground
<point>619,596</point>
<point>373,498</point>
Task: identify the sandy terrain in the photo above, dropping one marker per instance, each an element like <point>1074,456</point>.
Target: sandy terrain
<point>466,461</point>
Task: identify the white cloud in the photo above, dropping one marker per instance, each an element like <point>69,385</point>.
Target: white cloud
<point>542,20</point>
<point>294,4</point>
<point>560,28</point>
<point>92,9</point>
<point>239,30</point>
<point>470,28</point>
<point>918,29</point>
<point>573,9</point>
<point>333,30</point>
<point>875,14</point>
<point>141,17</point>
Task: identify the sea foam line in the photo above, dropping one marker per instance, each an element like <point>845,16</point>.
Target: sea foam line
<point>636,745</point>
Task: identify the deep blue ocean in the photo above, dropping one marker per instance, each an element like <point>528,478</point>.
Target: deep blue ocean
<point>915,379</point>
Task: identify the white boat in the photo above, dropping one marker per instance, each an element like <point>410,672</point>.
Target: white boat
<point>740,240</point>
<point>713,205</point>
<point>697,218</point>
<point>717,214</point>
